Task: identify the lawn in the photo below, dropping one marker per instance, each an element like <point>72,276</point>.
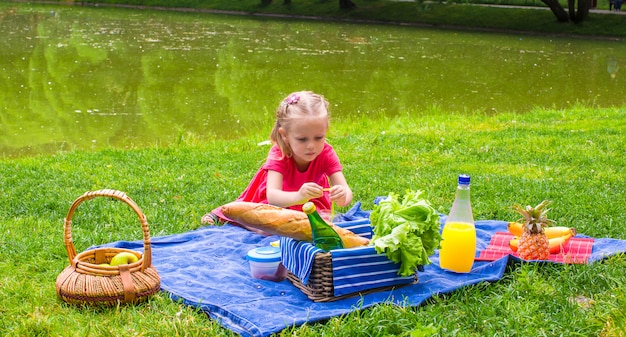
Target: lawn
<point>574,157</point>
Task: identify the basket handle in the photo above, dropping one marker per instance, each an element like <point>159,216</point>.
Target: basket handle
<point>67,228</point>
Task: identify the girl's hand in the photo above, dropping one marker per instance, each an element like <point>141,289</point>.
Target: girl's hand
<point>310,191</point>
<point>338,194</point>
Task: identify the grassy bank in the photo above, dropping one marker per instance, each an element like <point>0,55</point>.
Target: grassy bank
<point>574,157</point>
<point>450,14</point>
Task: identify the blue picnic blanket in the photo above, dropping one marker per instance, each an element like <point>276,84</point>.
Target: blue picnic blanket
<point>207,269</point>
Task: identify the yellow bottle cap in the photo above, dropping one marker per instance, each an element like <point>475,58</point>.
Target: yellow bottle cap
<point>308,207</point>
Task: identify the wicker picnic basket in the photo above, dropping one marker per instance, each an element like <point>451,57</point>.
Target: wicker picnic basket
<point>85,281</point>
<point>320,285</point>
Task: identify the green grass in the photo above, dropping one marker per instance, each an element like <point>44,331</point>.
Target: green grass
<point>574,157</point>
<point>442,14</point>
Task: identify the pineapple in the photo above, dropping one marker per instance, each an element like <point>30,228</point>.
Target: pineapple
<point>533,244</point>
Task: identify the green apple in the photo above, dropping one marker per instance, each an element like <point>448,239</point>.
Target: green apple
<point>124,258</point>
<point>105,264</point>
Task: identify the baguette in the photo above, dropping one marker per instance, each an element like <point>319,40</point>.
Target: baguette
<point>284,222</point>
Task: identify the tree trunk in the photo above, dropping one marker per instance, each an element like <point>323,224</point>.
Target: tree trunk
<point>557,10</point>
<point>346,4</point>
<point>571,8</point>
<point>583,9</point>
<point>577,15</point>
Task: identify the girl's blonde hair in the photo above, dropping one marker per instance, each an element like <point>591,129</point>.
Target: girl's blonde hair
<point>301,104</point>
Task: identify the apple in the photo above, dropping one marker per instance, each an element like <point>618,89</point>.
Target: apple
<point>124,258</point>
<point>105,264</point>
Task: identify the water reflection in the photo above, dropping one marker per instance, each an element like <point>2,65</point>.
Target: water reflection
<point>612,66</point>
<point>77,77</point>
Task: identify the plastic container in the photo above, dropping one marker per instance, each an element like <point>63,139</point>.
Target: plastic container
<point>265,264</point>
<point>458,247</point>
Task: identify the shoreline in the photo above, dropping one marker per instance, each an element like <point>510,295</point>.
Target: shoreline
<point>355,21</point>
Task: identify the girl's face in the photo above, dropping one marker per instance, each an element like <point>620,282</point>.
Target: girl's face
<point>306,137</point>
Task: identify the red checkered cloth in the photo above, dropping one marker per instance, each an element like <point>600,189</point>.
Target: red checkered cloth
<point>576,250</point>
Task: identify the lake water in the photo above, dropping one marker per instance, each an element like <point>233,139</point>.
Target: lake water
<point>88,78</point>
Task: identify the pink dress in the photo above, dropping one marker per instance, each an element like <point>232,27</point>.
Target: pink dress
<point>318,171</point>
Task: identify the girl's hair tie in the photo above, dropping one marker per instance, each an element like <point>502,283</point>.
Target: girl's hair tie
<point>293,99</point>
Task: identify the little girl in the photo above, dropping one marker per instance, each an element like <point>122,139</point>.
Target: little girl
<point>301,166</point>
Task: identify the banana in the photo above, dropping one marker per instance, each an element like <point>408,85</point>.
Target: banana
<point>516,229</point>
<point>556,244</point>
<point>559,231</point>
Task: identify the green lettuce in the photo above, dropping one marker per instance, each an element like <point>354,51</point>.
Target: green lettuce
<point>406,230</point>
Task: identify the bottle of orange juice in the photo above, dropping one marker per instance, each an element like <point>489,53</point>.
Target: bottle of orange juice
<point>458,247</point>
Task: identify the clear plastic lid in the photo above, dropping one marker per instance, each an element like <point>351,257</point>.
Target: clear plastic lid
<point>264,254</point>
